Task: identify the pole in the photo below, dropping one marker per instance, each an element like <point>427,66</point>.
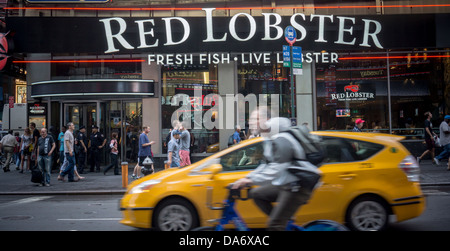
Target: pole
<point>124,174</point>
<point>292,82</point>
<point>389,91</point>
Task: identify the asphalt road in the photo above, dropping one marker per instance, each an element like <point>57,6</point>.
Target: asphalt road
<point>100,213</point>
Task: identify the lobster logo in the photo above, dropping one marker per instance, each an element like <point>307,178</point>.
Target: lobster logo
<point>353,88</point>
<point>3,50</point>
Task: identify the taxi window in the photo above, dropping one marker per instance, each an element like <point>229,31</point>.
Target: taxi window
<point>362,149</point>
<point>348,150</point>
<point>243,159</point>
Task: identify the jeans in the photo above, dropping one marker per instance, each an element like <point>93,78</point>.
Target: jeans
<point>9,151</point>
<point>288,203</point>
<point>44,163</point>
<point>445,153</point>
<point>175,164</point>
<point>114,163</point>
<point>70,169</point>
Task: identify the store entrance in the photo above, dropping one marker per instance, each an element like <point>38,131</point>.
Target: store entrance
<point>123,117</point>
<point>81,115</point>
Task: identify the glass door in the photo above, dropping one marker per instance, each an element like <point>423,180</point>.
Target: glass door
<point>125,118</point>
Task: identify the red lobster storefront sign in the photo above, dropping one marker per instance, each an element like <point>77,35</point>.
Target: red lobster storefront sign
<point>3,50</point>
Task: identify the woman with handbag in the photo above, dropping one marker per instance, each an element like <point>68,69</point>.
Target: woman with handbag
<point>25,149</point>
<point>114,155</point>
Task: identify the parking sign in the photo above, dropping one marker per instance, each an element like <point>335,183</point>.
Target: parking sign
<point>290,35</point>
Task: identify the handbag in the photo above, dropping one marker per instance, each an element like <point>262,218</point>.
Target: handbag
<point>437,141</point>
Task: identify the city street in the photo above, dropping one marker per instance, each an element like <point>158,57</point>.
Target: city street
<point>100,213</point>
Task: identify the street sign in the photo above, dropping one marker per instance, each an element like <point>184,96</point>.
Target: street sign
<point>297,65</point>
<point>297,60</point>
<point>286,56</point>
<point>290,35</point>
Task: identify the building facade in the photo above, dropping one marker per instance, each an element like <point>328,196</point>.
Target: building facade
<point>124,64</point>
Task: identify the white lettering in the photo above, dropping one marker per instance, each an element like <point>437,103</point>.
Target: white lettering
<point>373,35</point>
<point>187,30</point>
<point>232,27</point>
<point>142,33</point>
<point>321,26</point>
<point>342,30</point>
<point>268,25</point>
<point>209,27</point>
<point>118,36</point>
<point>297,26</point>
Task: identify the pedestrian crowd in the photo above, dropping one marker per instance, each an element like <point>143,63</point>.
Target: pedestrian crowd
<point>69,151</point>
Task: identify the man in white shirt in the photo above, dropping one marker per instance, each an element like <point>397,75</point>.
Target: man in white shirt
<point>444,129</point>
<point>69,153</point>
<point>7,145</point>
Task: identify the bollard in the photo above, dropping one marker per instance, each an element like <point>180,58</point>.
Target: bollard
<point>124,174</point>
<point>166,166</point>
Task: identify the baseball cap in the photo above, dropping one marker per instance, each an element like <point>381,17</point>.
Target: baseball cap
<point>447,117</point>
<point>176,132</point>
<point>359,121</point>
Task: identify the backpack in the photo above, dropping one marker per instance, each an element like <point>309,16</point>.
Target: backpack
<point>311,144</point>
<point>231,140</point>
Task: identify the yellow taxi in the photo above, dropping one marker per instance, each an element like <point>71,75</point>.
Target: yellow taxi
<point>366,179</point>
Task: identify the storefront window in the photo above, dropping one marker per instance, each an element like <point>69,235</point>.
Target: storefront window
<point>418,85</point>
<point>357,87</point>
<point>266,79</point>
<point>351,90</point>
<point>197,82</point>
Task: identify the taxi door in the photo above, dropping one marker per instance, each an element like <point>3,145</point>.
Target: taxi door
<point>236,165</point>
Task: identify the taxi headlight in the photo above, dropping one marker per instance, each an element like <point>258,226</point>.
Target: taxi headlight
<point>144,186</point>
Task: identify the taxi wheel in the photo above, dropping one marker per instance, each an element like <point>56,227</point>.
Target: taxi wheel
<point>175,215</point>
<point>368,213</point>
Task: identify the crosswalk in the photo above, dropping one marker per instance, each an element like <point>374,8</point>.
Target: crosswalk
<point>435,192</point>
<point>24,201</point>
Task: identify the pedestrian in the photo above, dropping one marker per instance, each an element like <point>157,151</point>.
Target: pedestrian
<point>36,136</point>
<point>69,154</point>
<point>25,144</point>
<point>429,137</point>
<point>145,150</point>
<point>114,155</point>
<point>54,134</point>
<point>7,145</point>
<point>61,146</point>
<point>82,148</point>
<point>96,143</point>
<point>236,134</point>
<point>185,143</point>
<point>173,149</point>
<point>444,130</point>
<point>17,151</point>
<point>46,145</point>
<point>359,123</point>
<point>280,149</point>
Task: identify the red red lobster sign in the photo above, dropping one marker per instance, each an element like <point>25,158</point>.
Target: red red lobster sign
<point>3,50</point>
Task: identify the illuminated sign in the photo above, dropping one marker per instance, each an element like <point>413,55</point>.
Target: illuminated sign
<point>3,50</point>
<point>353,93</point>
<point>242,27</point>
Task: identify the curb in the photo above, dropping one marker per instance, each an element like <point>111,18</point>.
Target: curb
<point>122,191</point>
<point>84,192</point>
<point>435,184</point>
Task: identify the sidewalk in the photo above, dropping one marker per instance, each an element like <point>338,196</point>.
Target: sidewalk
<point>14,183</point>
